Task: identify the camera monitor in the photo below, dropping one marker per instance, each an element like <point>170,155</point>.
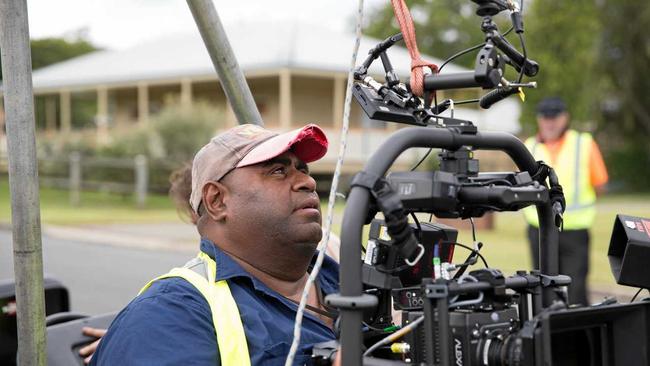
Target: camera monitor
<point>600,336</point>
<point>629,251</point>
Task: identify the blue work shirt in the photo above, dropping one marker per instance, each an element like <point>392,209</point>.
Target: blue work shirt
<point>171,323</point>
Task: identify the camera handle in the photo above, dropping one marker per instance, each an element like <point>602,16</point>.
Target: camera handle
<point>515,58</point>
<point>359,199</point>
<point>487,73</point>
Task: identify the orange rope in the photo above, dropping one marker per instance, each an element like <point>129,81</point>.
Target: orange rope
<point>405,21</point>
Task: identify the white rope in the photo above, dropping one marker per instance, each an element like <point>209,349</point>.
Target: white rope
<point>322,247</point>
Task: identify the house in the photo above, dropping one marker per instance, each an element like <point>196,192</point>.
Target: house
<point>297,73</point>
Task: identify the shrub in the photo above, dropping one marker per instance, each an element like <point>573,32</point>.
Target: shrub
<point>627,167</point>
<point>180,132</point>
<point>170,139</point>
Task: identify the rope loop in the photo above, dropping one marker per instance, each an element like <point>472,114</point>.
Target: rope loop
<point>405,21</point>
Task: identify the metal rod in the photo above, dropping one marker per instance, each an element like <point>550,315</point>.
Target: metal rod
<point>23,181</point>
<point>444,343</point>
<point>230,75</point>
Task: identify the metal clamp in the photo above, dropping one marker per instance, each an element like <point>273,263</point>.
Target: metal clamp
<point>365,301</point>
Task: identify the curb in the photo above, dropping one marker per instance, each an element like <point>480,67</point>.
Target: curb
<point>107,237</point>
<point>98,236</point>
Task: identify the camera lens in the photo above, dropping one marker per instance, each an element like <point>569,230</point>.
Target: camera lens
<point>496,351</point>
<point>492,353</point>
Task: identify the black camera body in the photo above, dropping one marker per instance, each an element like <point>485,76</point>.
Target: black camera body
<point>447,195</point>
<point>477,337</point>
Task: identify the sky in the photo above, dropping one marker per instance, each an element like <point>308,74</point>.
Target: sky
<point>119,24</point>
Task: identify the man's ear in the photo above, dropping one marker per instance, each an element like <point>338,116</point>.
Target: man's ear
<point>214,196</point>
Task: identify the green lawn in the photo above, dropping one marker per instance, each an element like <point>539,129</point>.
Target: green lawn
<point>95,208</point>
<point>505,247</point>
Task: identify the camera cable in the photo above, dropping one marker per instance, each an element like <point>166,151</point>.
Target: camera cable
<point>637,294</point>
<point>322,247</point>
<point>395,336</point>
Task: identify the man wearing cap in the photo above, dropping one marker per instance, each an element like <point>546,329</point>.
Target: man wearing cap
<point>577,160</point>
<point>235,303</point>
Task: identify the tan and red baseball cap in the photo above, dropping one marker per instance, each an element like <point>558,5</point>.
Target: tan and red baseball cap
<point>249,144</point>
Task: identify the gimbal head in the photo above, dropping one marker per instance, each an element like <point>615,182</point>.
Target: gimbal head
<point>490,7</point>
<point>394,101</point>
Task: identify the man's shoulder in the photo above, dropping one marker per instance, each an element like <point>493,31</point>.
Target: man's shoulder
<point>171,289</point>
<point>171,315</point>
<point>166,301</point>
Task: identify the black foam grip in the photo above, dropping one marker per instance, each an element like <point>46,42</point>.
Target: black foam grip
<point>496,95</point>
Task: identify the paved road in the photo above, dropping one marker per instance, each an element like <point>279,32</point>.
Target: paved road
<point>100,278</point>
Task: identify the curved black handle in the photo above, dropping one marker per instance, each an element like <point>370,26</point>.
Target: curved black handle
<point>495,96</point>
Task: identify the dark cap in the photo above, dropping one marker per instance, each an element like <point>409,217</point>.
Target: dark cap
<point>551,107</point>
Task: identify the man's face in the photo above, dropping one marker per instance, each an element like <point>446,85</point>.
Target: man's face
<point>551,128</point>
<point>275,202</point>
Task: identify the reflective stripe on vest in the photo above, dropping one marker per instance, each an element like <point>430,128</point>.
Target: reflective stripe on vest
<point>572,168</point>
<point>201,272</point>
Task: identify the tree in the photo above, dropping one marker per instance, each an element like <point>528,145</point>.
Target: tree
<point>625,101</point>
<point>47,51</point>
<point>443,27</point>
<point>563,37</point>
<point>624,62</point>
<point>595,54</point>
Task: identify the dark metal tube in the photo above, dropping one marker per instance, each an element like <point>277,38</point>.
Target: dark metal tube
<point>510,282</point>
<point>231,77</point>
<point>350,274</point>
<point>531,68</point>
<point>457,80</point>
<point>523,307</point>
<point>537,301</point>
<point>444,344</point>
<point>549,249</point>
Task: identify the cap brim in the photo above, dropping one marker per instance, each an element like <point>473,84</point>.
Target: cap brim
<point>549,114</point>
<point>308,143</point>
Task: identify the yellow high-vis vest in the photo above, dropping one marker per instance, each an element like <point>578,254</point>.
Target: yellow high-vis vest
<point>572,168</point>
<point>201,273</point>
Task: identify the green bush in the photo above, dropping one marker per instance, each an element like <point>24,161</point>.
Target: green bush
<point>61,145</point>
<point>627,165</point>
<point>182,131</point>
<point>170,139</point>
<point>127,144</point>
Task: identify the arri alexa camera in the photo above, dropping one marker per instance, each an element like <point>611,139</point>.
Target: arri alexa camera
<point>451,313</point>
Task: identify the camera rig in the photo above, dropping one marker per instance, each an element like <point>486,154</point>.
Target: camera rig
<point>482,317</point>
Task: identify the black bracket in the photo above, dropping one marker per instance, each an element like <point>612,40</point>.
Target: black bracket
<point>554,281</point>
<point>365,301</point>
<point>436,291</point>
<point>366,180</point>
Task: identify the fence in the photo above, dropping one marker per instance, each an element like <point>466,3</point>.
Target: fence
<point>75,182</point>
<point>52,169</point>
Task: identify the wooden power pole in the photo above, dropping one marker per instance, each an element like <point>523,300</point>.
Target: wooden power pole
<point>23,181</point>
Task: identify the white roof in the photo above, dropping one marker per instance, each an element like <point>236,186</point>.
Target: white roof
<point>258,46</point>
